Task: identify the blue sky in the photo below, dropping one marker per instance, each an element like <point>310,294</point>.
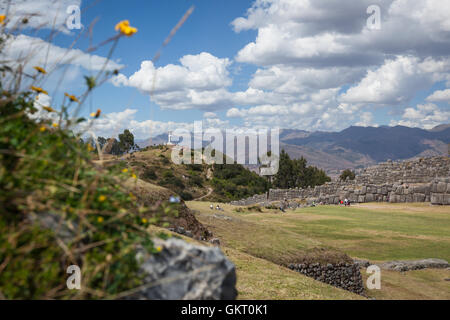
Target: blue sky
<point>310,65</point>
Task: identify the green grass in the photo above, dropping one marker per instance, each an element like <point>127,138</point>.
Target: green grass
<point>263,280</point>
<point>372,231</point>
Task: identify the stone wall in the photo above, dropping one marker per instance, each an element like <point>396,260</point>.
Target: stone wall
<point>413,171</point>
<point>410,181</point>
<point>342,275</point>
<point>440,191</point>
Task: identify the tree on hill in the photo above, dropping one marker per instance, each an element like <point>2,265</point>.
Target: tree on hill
<point>126,141</point>
<point>294,173</point>
<point>347,173</point>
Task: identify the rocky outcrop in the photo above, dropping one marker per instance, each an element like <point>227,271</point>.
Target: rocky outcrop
<point>183,271</point>
<point>346,276</point>
<point>408,265</point>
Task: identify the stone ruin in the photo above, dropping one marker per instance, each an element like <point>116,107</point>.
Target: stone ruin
<point>421,180</point>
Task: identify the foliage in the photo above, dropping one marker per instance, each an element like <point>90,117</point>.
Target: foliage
<point>126,141</point>
<point>234,182</point>
<point>47,171</point>
<point>347,174</point>
<point>57,207</point>
<point>294,173</point>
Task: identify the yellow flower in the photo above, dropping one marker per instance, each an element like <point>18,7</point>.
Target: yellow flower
<point>90,147</point>
<point>49,109</point>
<point>40,70</point>
<point>125,170</point>
<point>144,220</point>
<point>96,114</point>
<point>125,28</point>
<point>159,249</point>
<point>101,198</point>
<point>42,129</point>
<point>55,125</point>
<point>134,176</point>
<point>2,19</point>
<point>100,219</point>
<point>71,97</point>
<point>39,90</point>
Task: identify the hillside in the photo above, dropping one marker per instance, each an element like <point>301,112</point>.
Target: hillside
<point>218,183</point>
<point>354,147</point>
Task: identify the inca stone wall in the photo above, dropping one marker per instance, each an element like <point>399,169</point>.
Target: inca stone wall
<point>342,275</point>
<point>416,171</point>
<point>422,180</point>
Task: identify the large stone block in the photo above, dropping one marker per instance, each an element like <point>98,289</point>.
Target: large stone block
<point>441,187</point>
<point>446,198</point>
<point>437,198</point>
<point>369,197</point>
<point>361,199</point>
<point>419,197</point>
<point>363,190</point>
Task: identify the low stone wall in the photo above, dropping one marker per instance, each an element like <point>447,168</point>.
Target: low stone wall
<point>342,275</point>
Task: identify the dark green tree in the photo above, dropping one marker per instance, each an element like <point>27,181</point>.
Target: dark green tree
<point>347,173</point>
<point>126,141</point>
<point>293,173</point>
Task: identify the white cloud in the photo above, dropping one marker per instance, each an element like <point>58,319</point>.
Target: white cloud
<point>396,81</point>
<point>318,66</point>
<point>440,96</point>
<point>365,120</point>
<point>42,14</point>
<point>209,115</point>
<point>197,82</point>
<point>425,116</point>
<point>37,52</point>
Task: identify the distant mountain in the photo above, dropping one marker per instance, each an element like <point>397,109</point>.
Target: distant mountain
<point>160,139</point>
<point>361,146</point>
<point>357,147</point>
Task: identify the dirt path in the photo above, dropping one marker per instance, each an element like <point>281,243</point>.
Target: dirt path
<point>210,190</point>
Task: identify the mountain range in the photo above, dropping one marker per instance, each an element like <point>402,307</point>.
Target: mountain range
<point>357,147</point>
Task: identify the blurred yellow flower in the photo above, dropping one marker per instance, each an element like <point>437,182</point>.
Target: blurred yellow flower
<point>125,28</point>
<point>2,19</point>
<point>144,220</point>
<point>49,109</point>
<point>134,176</point>
<point>39,90</point>
<point>96,114</point>
<point>125,170</point>
<point>55,125</point>
<point>40,70</point>
<point>71,97</point>
<point>101,198</point>
<point>159,249</point>
<point>100,219</point>
<point>90,147</point>
<point>42,129</point>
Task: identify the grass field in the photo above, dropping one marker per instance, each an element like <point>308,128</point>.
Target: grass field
<point>377,232</point>
<point>263,280</point>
